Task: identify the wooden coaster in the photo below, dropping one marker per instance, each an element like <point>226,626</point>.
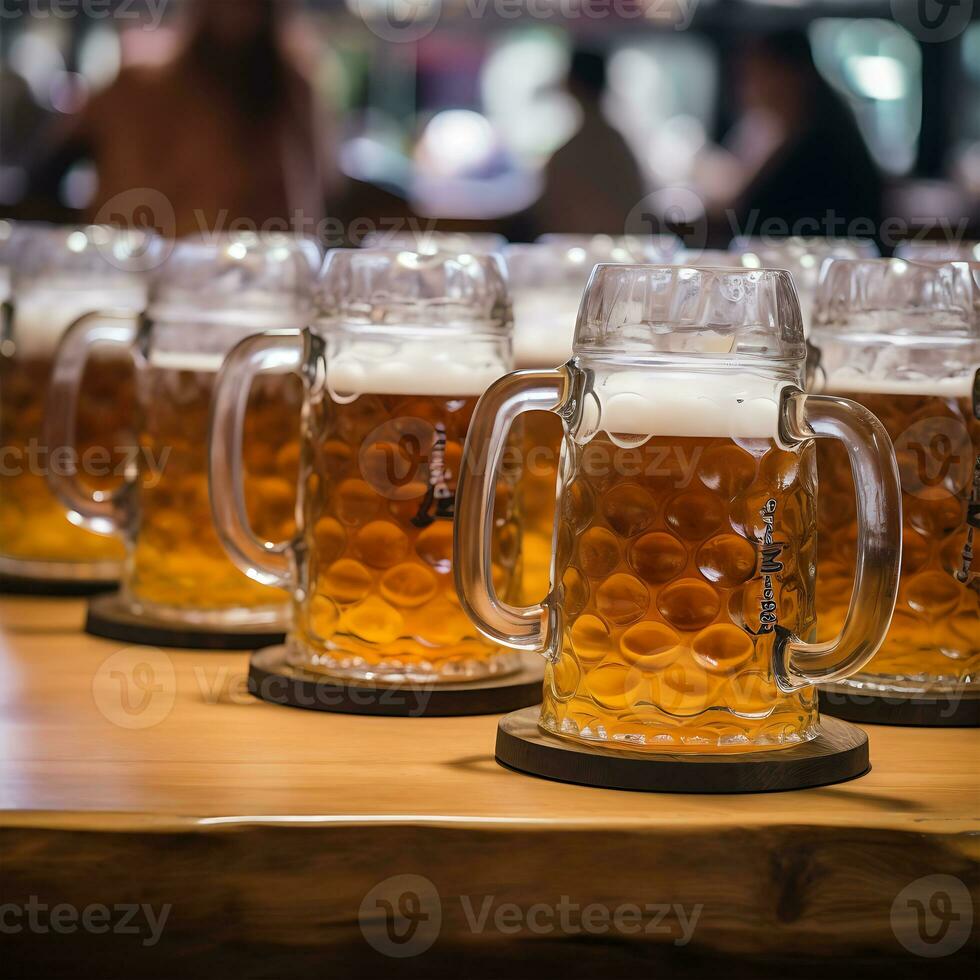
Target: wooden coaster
<point>957,709</point>
<point>111,619</point>
<point>67,587</point>
<point>839,752</point>
<point>272,678</point>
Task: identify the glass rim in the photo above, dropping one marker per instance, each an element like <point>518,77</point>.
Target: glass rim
<point>384,288</point>
<point>656,309</point>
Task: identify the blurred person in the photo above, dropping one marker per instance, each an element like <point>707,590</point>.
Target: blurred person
<point>593,182</point>
<point>226,131</point>
<point>802,153</point>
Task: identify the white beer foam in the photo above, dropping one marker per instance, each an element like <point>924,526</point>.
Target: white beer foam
<point>198,340</point>
<point>641,404</point>
<point>196,363</point>
<point>42,314</point>
<point>244,320</point>
<point>848,382</point>
<point>544,327</point>
<point>464,368</point>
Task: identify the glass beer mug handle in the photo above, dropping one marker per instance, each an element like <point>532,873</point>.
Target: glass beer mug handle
<point>102,511</point>
<point>879,545</point>
<point>278,350</point>
<point>521,627</point>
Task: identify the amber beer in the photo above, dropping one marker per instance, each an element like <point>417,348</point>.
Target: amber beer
<point>679,559</point>
<point>935,633</point>
<point>177,563</point>
<point>381,480</point>
<point>34,526</point>
<point>544,321</point>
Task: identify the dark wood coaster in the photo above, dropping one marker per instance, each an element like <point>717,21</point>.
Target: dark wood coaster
<point>67,587</point>
<point>109,618</point>
<point>272,678</point>
<point>958,709</point>
<point>839,752</point>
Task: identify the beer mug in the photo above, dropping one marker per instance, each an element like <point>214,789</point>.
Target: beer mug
<point>57,274</point>
<point>803,256</point>
<point>936,250</point>
<point>547,280</point>
<point>209,294</point>
<point>903,339</point>
<point>401,347</point>
<point>681,611</point>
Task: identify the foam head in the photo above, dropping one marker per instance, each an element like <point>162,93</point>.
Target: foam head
<point>687,351</point>
<point>891,325</point>
<point>399,322</point>
<point>44,310</point>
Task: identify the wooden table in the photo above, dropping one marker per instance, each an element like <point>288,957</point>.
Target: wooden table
<point>134,775</point>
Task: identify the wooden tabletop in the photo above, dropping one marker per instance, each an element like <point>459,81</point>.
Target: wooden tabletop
<point>150,775</point>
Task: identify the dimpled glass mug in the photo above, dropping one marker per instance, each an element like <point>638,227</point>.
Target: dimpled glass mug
<point>803,256</point>
<point>546,283</point>
<point>903,339</point>
<point>401,347</point>
<point>682,592</point>
<point>210,293</point>
<point>57,274</point>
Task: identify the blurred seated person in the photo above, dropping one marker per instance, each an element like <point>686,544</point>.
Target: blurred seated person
<point>593,182</point>
<point>226,131</point>
<point>802,155</point>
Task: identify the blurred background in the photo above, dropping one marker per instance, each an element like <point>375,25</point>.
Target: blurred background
<point>340,118</point>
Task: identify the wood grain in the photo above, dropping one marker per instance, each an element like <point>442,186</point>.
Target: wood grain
<point>265,827</point>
